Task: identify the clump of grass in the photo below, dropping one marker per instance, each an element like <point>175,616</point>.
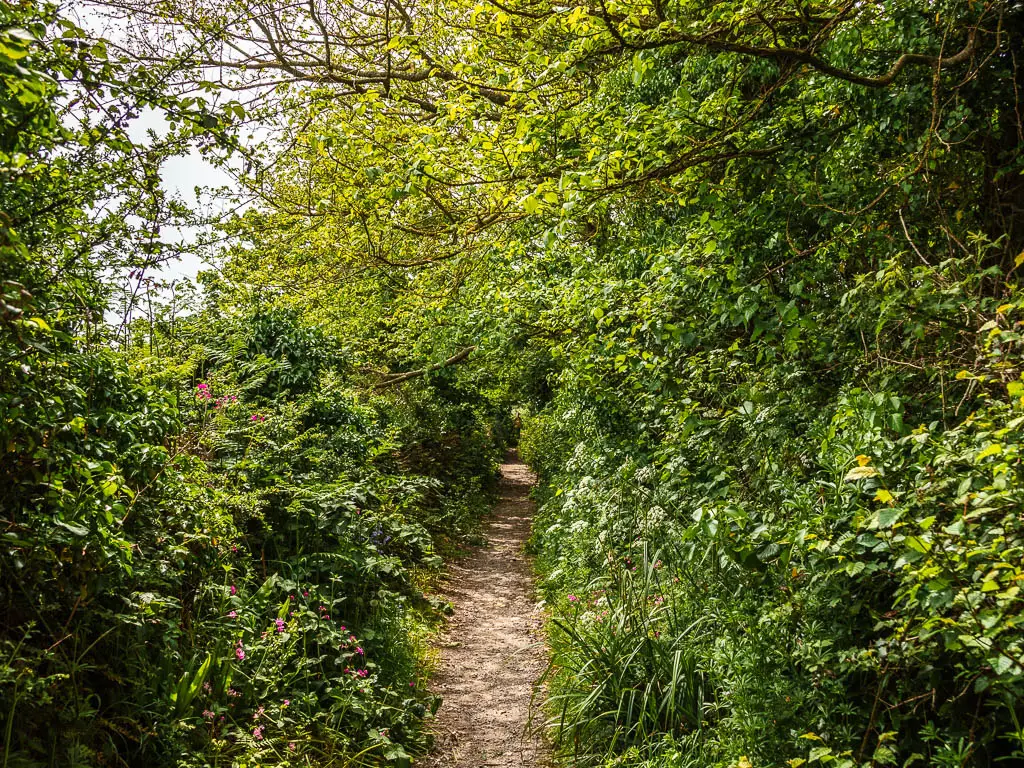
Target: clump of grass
<point>621,677</point>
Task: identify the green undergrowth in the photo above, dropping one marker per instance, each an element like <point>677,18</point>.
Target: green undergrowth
<point>244,578</point>
<point>844,594</point>
<point>749,271</point>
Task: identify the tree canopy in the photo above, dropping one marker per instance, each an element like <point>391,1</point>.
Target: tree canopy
<point>746,270</point>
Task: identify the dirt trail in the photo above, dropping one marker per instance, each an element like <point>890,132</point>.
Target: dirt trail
<point>492,653</point>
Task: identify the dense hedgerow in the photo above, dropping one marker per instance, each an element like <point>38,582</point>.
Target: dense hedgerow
<point>781,483</point>
<point>779,627</point>
<point>750,270</point>
<point>756,563</point>
<point>211,540</point>
<point>228,570</point>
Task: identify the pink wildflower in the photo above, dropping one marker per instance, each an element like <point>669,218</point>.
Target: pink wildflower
<point>291,746</point>
<point>232,614</point>
<point>280,624</point>
<point>257,733</point>
<point>573,598</point>
<point>233,590</point>
<point>359,650</point>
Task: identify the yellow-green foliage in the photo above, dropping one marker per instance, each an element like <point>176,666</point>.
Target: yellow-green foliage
<point>747,271</point>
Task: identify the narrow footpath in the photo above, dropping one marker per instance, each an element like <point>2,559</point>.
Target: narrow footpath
<point>492,653</point>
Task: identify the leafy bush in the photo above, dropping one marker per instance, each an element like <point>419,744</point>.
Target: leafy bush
<point>210,535</point>
<point>215,577</point>
<point>841,590</point>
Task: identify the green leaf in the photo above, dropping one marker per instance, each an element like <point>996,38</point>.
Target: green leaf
<point>955,529</point>
<point>992,450</point>
<point>888,517</point>
<point>75,528</point>
<point>918,544</point>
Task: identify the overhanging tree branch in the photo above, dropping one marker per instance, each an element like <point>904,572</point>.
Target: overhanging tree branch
<point>399,378</point>
<point>802,55</point>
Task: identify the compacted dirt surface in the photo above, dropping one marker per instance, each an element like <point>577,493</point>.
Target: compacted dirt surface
<point>492,653</point>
